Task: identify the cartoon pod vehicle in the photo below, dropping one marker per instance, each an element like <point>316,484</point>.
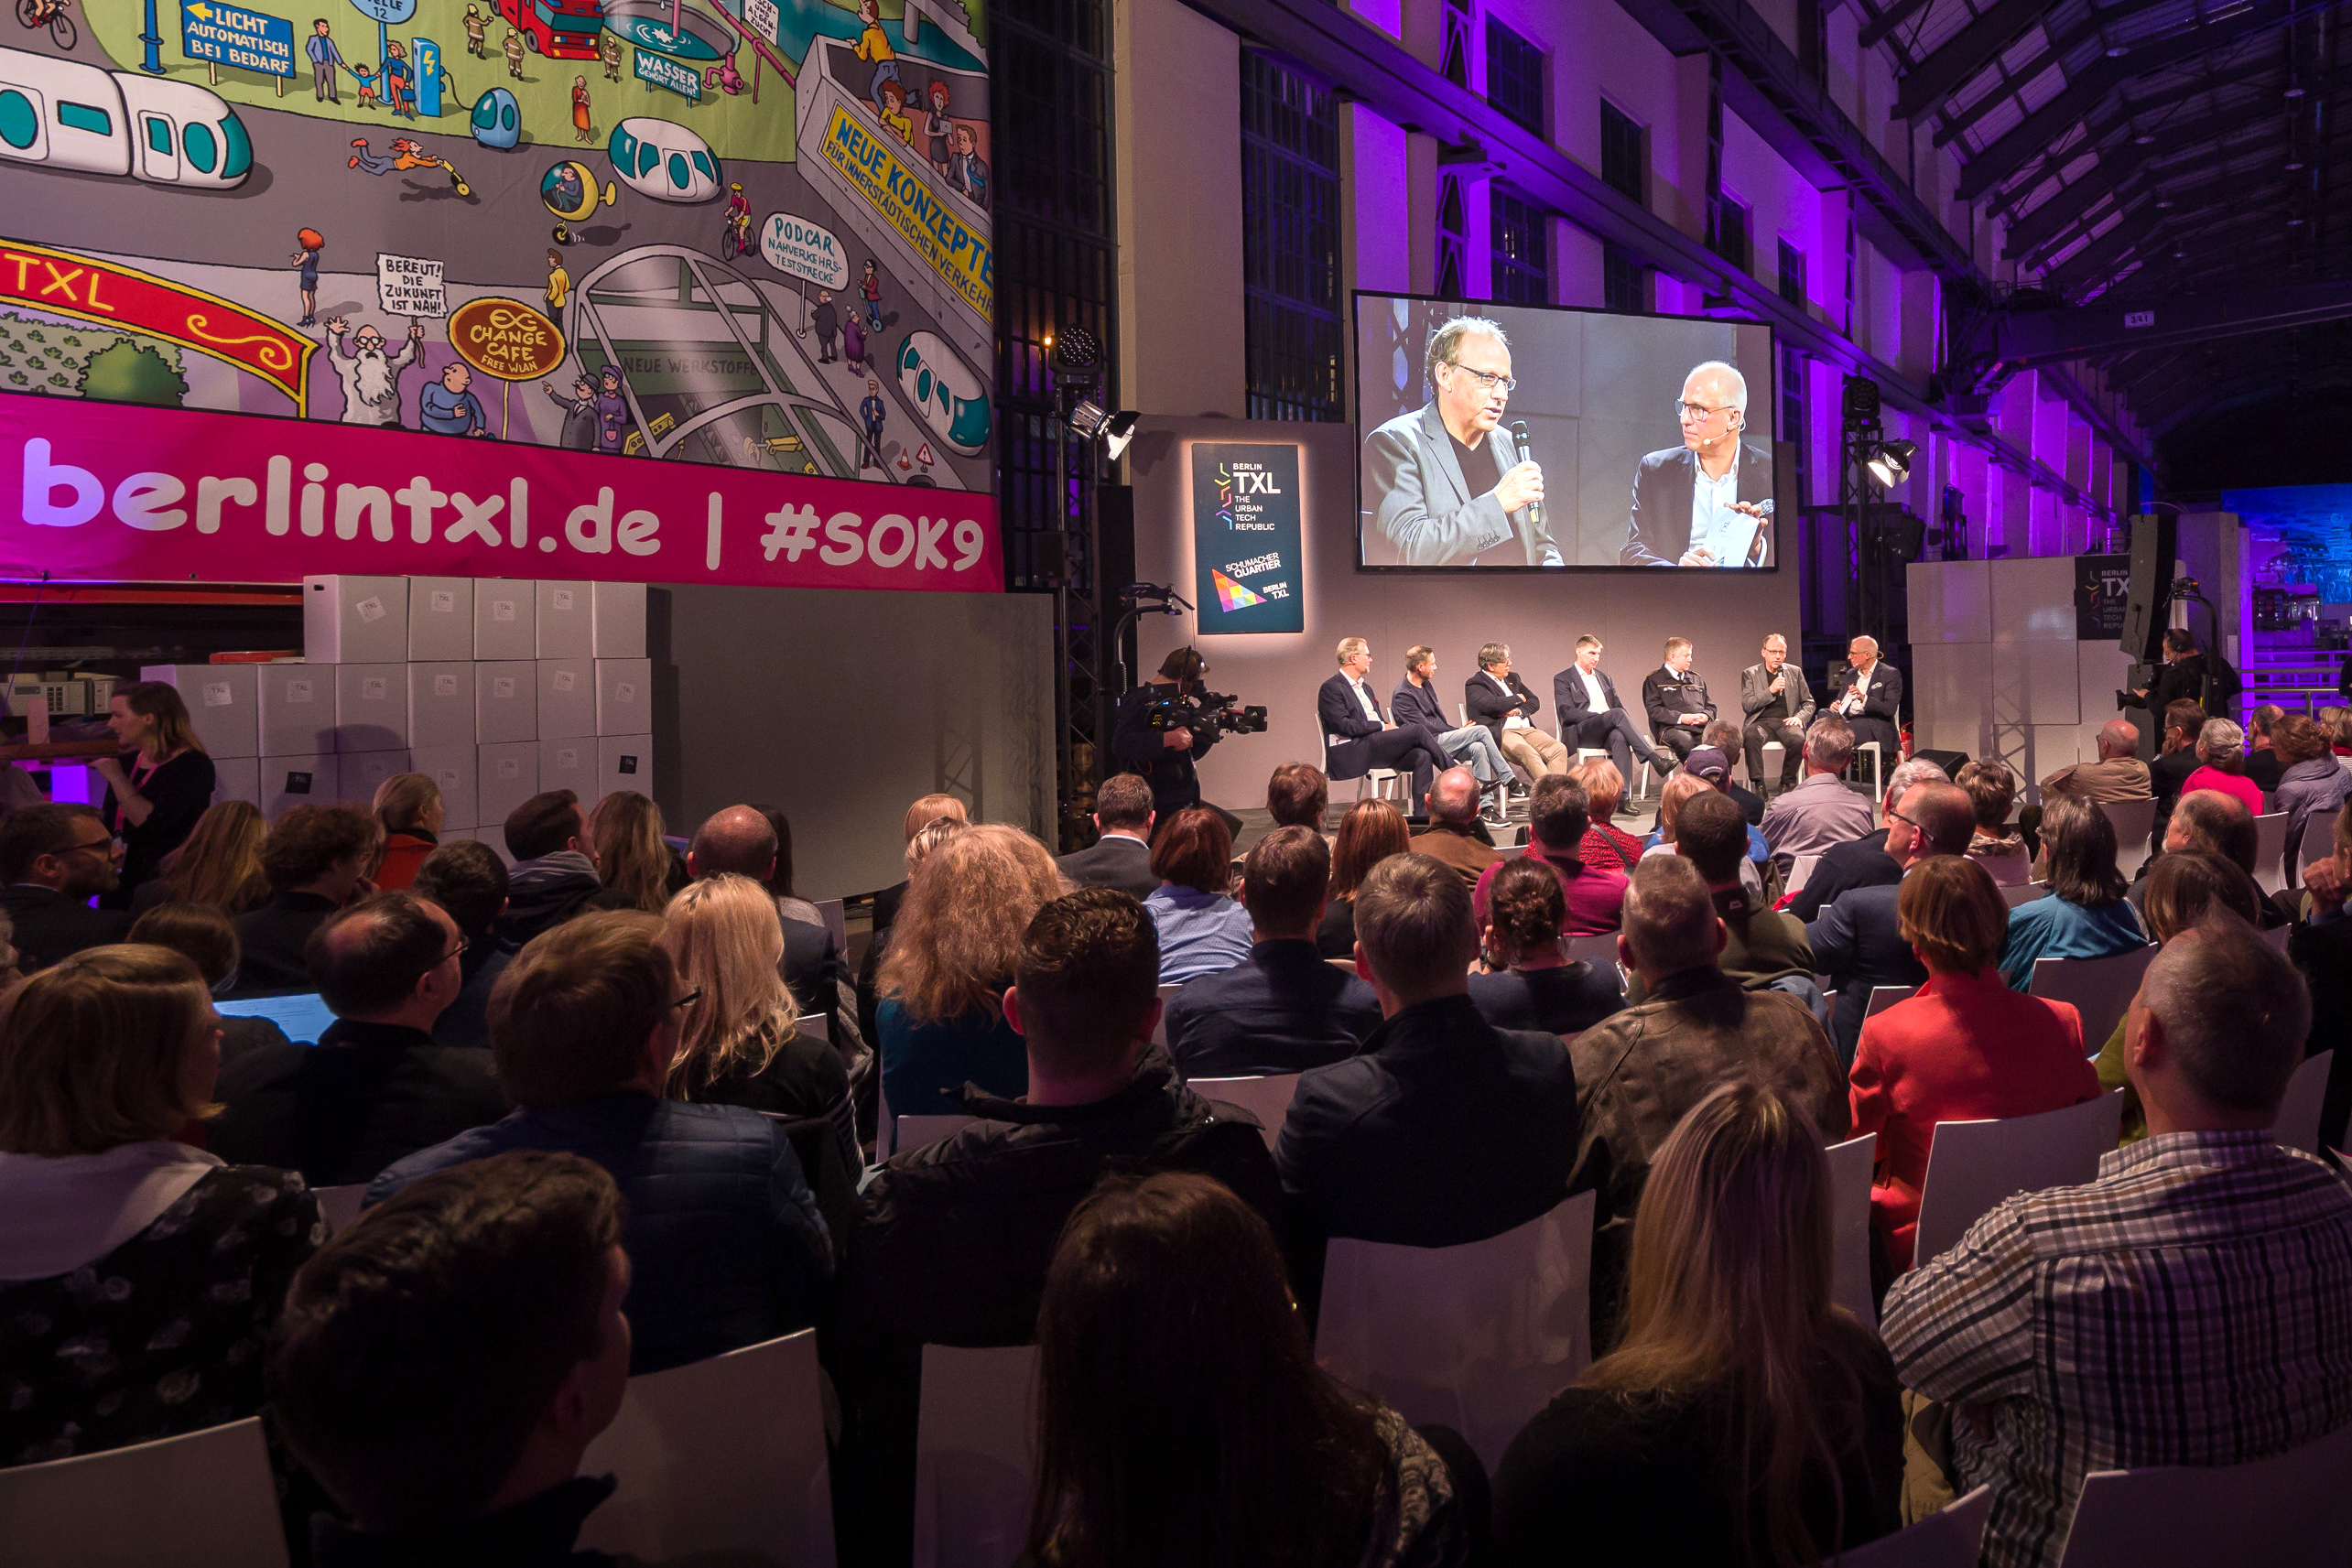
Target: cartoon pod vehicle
<point>497,120</point>
<point>666,162</point>
<point>65,114</point>
<point>953,401</point>
<point>569,190</point>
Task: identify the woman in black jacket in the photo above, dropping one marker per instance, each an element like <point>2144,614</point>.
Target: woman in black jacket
<point>159,787</point>
<point>1531,982</point>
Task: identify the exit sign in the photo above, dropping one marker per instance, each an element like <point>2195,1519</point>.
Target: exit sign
<point>2138,318</point>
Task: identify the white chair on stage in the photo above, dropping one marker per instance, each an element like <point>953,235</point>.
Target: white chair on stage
<point>204,1500</point>
<point>1378,780</point>
<point>2298,1124</point>
<point>1974,1166</point>
<point>1267,1098</point>
<point>2286,1511</point>
<point>340,1204</point>
<point>1873,751</point>
<point>2134,820</point>
<point>2271,851</point>
<point>975,1456</point>
<point>1851,1164</point>
<point>1949,1538</point>
<point>2100,988</point>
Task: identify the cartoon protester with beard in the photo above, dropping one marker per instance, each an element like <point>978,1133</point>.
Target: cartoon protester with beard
<point>369,372</point>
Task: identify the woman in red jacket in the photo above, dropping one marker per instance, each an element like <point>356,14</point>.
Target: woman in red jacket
<point>1967,1048</point>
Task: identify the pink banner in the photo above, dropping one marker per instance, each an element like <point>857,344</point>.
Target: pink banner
<point>98,492</point>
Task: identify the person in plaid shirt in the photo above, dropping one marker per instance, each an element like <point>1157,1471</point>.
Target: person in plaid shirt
<point>2186,1307</point>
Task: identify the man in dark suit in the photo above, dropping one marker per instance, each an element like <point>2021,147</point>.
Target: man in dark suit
<point>1164,754</point>
<point>1862,862</point>
<point>1285,1010</point>
<point>1675,701</point>
<point>1708,501</point>
<point>1857,942</point>
<point>1357,735</point>
<point>1868,695</point>
<point>1497,698</point>
<point>52,860</point>
<point>1122,857</point>
<point>1415,701</point>
<point>1590,714</point>
<point>1446,484</point>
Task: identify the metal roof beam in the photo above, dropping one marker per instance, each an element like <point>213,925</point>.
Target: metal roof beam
<point>2052,337</point>
<point>1961,55</point>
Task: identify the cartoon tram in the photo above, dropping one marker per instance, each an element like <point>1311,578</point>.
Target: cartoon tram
<point>65,114</point>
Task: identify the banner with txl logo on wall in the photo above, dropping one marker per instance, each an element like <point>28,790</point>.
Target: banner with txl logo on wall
<point>1245,538</point>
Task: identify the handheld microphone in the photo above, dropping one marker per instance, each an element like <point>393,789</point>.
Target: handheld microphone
<point>1519,439</point>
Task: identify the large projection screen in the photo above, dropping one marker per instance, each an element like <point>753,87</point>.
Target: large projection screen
<point>1629,482</point>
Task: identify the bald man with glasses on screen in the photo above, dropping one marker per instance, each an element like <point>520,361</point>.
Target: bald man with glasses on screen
<point>1708,503</point>
<point>1448,486</point>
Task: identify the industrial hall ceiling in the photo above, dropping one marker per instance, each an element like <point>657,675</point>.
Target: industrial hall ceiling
<point>2138,154</point>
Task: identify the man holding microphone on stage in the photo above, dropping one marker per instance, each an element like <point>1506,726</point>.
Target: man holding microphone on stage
<point>1706,503</point>
<point>1448,486</point>
<point>1779,705</point>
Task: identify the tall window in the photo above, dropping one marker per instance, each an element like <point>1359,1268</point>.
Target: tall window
<point>1791,275</point>
<point>1523,261</point>
<point>1623,160</point>
<point>1455,64</point>
<point>1453,236</point>
<point>1624,282</point>
<point>1290,244</point>
<point>1515,76</point>
<point>1732,243</point>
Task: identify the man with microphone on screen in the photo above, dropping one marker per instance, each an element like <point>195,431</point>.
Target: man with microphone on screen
<point>1448,486</point>
<point>1708,503</point>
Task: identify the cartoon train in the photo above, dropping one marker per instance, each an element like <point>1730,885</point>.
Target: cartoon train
<point>665,161</point>
<point>63,114</point>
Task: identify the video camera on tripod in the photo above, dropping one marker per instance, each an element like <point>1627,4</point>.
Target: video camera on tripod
<point>1204,713</point>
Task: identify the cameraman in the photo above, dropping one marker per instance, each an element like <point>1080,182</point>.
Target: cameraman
<point>1164,756</point>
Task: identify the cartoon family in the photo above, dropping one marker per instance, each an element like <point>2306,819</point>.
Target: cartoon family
<point>596,415</point>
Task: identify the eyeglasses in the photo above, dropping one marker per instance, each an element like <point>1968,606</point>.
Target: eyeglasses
<point>1898,816</point>
<point>1488,379</point>
<point>690,999</point>
<point>107,845</point>
<point>457,952</point>
<point>1696,410</point>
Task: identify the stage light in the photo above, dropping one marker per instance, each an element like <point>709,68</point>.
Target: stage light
<point>1091,422</point>
<point>1859,404</point>
<point>1075,356</point>
<point>1890,462</point>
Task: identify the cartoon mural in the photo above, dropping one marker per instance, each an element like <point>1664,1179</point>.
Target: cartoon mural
<point>761,209</point>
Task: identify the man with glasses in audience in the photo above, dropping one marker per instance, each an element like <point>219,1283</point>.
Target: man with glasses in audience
<point>53,859</point>
<point>1706,503</point>
<point>1448,485</point>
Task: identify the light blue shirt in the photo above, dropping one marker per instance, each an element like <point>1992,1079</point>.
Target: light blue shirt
<point>1713,523</point>
<point>1200,932</point>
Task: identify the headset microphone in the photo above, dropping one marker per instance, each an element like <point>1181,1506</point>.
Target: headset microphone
<point>1519,439</point>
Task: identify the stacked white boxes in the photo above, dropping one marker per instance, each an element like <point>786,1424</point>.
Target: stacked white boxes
<point>496,688</point>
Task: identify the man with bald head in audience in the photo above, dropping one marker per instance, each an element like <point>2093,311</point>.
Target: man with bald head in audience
<point>1856,942</point>
<point>740,839</point>
<point>1861,863</point>
<point>1822,811</point>
<point>1121,857</point>
<point>1452,836</point>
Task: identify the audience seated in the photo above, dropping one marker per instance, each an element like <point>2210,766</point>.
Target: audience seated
<point>1556,821</point>
<point>317,860</point>
<point>2221,758</point>
<point>1762,947</point>
<point>2085,914</point>
<point>738,1040</point>
<point>1297,795</point>
<point>1445,1129</point>
<point>1822,810</point>
<point>53,860</point>
<point>469,880</point>
<point>1688,786</point>
<point>2177,757</point>
<point>741,840</point>
<point>219,867</point>
<point>2321,946</point>
<point>1859,942</point>
<point>139,1276</point>
<point>1530,981</point>
<point>206,938</point>
<point>408,809</point>
<point>2311,787</point>
<point>2213,823</point>
<point>1743,1418</point>
<point>953,1240</point>
<point>554,876</point>
<point>1992,790</point>
<point>375,1086</point>
<point>2179,891</point>
<point>953,949</point>
<point>444,1363</point>
<point>2185,1307</point>
<point>1201,929</point>
<point>1283,1009</point>
<point>2118,774</point>
<point>930,808</point>
<point>2265,765</point>
<point>1369,833</point>
<point>1605,845</point>
<point>926,839</point>
<point>1639,1072</point>
<point>726,1242</point>
<point>1250,1454</point>
<point>638,868</point>
<point>1723,737</point>
<point>1120,856</point>
<point>1452,837</point>
<point>788,902</point>
<point>1967,1048</point>
<point>1861,863</point>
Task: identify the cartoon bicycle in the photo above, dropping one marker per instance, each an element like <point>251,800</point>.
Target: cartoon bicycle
<point>53,15</point>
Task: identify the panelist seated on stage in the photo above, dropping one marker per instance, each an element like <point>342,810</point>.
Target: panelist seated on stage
<point>1675,701</point>
<point>1358,736</point>
<point>1590,714</point>
<point>1446,484</point>
<point>1498,700</point>
<point>1777,703</point>
<point>1707,501</point>
<point>1415,701</point>
<point>1868,694</point>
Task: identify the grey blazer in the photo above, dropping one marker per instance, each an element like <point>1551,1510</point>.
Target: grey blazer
<point>1421,514</point>
<point>1755,693</point>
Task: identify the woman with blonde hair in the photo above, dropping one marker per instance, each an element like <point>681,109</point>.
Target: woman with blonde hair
<point>139,1277</point>
<point>219,867</point>
<point>942,1018</point>
<point>408,806</point>
<point>1743,1418</point>
<point>638,870</point>
<point>1369,833</point>
<point>159,787</point>
<point>739,1042</point>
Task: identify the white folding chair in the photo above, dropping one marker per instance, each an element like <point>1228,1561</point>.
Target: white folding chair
<point>2286,1511</point>
<point>1801,871</point>
<point>837,921</point>
<point>2017,893</point>
<point>1160,1029</point>
<point>1850,1165</point>
<point>1974,1165</point>
<point>720,1455</point>
<point>916,1132</point>
<point>204,1500</point>
<point>1477,1337</point>
<point>1267,1098</point>
<point>2299,1107</point>
<point>1949,1538</point>
<point>2271,851</point>
<point>816,1026</point>
<point>1600,951</point>
<point>340,1204</point>
<point>2278,936</point>
<point>2134,820</point>
<point>975,1456</point>
<point>1878,774</point>
<point>2100,988</point>
<point>1885,996</point>
<point>1776,757</point>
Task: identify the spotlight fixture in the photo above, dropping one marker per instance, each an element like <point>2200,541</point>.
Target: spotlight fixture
<point>1089,421</point>
<point>1075,355</point>
<point>1890,462</point>
<point>1860,403</point>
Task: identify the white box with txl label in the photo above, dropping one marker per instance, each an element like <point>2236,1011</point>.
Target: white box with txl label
<point>505,619</point>
<point>371,707</point>
<point>625,697</point>
<point>355,619</point>
<point>298,708</point>
<point>440,704</point>
<point>567,698</point>
<point>506,701</point>
<point>223,704</point>
<point>504,777</point>
<point>440,618</point>
<point>567,620</point>
<point>303,780</point>
<point>453,770</point>
<point>625,762</point>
